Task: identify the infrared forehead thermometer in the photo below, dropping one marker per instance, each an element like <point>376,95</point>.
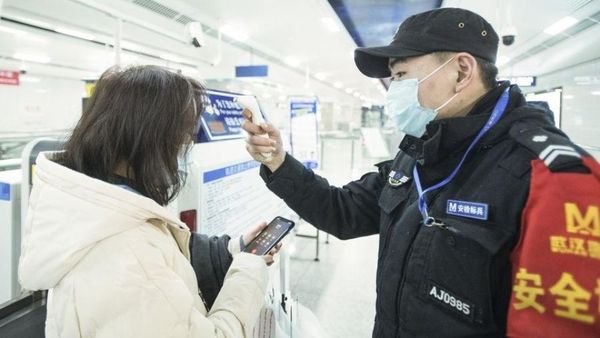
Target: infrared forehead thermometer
<point>249,103</point>
<point>252,113</point>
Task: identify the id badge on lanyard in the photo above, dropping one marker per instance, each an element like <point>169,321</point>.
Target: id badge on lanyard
<point>491,122</point>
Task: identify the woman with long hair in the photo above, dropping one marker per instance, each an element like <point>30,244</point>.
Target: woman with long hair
<point>98,235</point>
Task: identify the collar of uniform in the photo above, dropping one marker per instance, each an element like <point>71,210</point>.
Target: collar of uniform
<point>447,136</point>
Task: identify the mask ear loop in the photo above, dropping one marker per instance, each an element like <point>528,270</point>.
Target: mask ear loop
<point>446,103</point>
<point>431,74</point>
<point>195,107</point>
<point>194,104</point>
<point>195,111</point>
<point>436,70</point>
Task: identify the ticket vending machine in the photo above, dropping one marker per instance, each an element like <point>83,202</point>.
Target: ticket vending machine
<point>10,233</point>
<point>15,186</point>
<point>23,314</point>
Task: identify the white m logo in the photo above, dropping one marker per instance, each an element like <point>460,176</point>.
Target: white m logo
<point>452,207</point>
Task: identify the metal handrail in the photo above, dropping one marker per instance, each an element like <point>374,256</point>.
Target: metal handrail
<point>13,163</point>
<point>26,136</point>
<point>336,135</point>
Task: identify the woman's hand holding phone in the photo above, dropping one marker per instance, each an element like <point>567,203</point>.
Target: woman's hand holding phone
<point>249,236</point>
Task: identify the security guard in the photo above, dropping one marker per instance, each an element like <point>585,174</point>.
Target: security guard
<point>448,207</point>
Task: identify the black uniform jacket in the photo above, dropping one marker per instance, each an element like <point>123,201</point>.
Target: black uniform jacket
<point>439,281</point>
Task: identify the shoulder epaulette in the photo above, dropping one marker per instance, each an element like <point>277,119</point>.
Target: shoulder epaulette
<point>384,163</point>
<point>551,146</point>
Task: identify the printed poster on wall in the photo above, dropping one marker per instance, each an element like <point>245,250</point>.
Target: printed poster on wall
<point>304,131</point>
<point>233,198</point>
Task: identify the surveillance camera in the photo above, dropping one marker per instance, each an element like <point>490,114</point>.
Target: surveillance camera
<point>509,35</point>
<point>195,34</point>
<point>508,40</point>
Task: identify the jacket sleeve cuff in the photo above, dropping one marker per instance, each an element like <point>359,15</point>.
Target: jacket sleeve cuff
<point>243,292</point>
<point>234,247</point>
<point>284,182</point>
<point>254,268</point>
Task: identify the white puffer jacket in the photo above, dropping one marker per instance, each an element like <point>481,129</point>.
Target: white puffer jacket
<point>117,265</point>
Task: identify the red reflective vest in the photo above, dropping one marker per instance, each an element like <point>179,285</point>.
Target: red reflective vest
<point>556,264</point>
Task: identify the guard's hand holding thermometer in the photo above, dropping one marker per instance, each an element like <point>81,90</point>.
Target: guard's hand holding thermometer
<point>263,138</point>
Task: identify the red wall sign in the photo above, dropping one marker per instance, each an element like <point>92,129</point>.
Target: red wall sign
<point>8,77</point>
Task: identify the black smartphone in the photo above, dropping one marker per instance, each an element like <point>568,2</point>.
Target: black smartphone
<point>270,236</point>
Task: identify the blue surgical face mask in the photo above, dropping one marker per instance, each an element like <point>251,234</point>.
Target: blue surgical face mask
<point>404,109</point>
<point>183,165</point>
<point>183,159</point>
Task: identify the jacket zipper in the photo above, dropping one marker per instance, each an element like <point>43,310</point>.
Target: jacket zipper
<point>403,274</point>
<point>393,223</point>
<point>387,237</point>
<point>405,261</point>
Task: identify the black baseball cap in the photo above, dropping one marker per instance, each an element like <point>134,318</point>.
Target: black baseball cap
<point>438,30</point>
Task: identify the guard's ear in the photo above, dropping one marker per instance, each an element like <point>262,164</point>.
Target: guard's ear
<point>467,71</point>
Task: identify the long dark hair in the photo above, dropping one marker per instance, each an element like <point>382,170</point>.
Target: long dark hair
<point>143,116</point>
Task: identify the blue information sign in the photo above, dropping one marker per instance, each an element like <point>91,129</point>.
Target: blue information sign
<point>222,119</point>
<point>252,71</point>
<point>4,191</point>
<point>298,108</point>
<point>304,131</point>
<point>217,174</point>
